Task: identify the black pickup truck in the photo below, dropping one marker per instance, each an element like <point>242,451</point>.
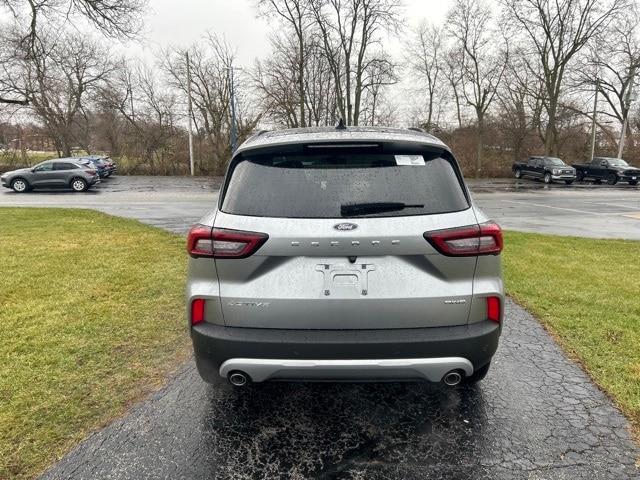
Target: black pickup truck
<point>612,170</point>
<point>549,169</point>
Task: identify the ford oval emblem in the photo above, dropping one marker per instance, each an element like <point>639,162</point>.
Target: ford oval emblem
<point>345,227</point>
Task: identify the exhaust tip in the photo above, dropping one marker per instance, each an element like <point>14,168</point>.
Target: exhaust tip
<point>452,378</point>
<point>238,379</point>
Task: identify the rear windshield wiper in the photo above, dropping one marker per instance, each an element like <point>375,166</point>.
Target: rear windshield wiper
<point>350,209</point>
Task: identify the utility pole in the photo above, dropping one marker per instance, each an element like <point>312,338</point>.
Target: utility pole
<point>133,112</point>
<point>593,120</point>
<point>232,94</point>
<point>629,97</point>
<point>191,163</point>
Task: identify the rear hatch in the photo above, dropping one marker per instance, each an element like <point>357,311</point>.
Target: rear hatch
<point>337,239</point>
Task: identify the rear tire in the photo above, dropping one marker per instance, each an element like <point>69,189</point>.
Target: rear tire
<point>79,184</point>
<point>633,182</point>
<point>547,178</point>
<point>518,174</point>
<point>19,185</point>
<point>580,176</point>
<point>612,179</point>
<point>478,375</point>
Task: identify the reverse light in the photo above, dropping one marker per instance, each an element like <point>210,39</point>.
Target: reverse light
<point>483,239</point>
<point>197,311</point>
<point>493,309</point>
<point>203,241</point>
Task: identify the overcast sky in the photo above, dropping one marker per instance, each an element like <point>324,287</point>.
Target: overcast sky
<point>182,22</point>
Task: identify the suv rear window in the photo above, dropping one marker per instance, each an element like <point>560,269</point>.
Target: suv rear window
<point>320,185</point>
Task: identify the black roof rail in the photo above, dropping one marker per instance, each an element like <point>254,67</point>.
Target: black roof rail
<point>416,129</point>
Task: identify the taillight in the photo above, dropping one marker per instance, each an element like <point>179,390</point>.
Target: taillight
<point>199,241</point>
<point>197,311</point>
<point>484,239</point>
<point>493,309</point>
<point>205,241</point>
<point>91,172</point>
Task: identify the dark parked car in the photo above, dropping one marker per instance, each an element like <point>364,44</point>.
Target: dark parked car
<point>97,164</point>
<point>612,170</point>
<point>58,173</point>
<point>111,165</point>
<point>549,169</point>
<point>104,161</point>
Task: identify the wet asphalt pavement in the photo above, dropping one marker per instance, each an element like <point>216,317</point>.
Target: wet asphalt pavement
<point>582,210</point>
<point>175,203</point>
<point>535,416</point>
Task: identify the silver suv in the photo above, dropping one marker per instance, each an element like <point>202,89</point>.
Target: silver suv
<point>344,254</point>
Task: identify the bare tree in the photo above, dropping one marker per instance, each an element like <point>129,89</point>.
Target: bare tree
<point>520,107</point>
<point>114,18</point>
<point>379,74</point>
<point>425,55</point>
<point>349,29</point>
<point>277,86</point>
<point>344,68</point>
<point>615,54</point>
<point>483,61</point>
<point>296,14</point>
<point>57,81</point>
<point>320,92</point>
<point>138,115</point>
<point>454,74</point>
<point>275,81</point>
<point>555,32</point>
<point>211,94</point>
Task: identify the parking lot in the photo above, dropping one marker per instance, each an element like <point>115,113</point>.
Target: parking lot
<point>583,210</point>
<point>174,203</point>
<point>537,415</point>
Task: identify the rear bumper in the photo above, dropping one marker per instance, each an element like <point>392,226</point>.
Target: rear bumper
<point>418,348</point>
<point>428,369</point>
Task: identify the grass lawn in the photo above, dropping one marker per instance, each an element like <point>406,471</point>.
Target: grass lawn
<point>91,319</point>
<point>587,293</point>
